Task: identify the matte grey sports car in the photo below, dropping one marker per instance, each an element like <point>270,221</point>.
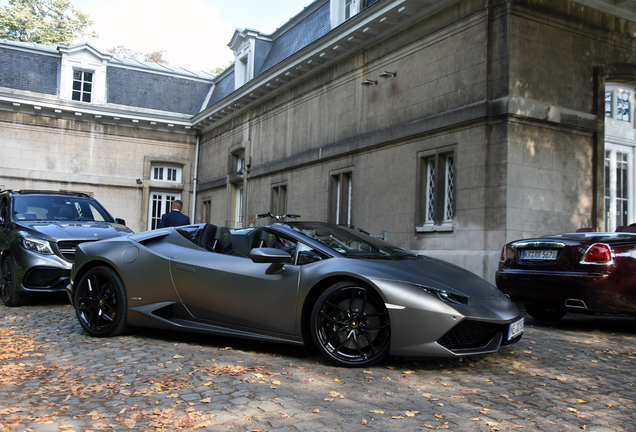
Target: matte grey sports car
<point>357,298</point>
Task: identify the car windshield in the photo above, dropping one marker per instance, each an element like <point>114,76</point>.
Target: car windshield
<point>58,207</point>
<point>350,242</point>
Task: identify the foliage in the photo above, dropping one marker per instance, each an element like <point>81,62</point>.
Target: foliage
<point>47,22</point>
<point>156,56</point>
<point>219,69</point>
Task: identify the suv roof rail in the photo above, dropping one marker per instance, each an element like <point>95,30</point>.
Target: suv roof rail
<point>50,192</point>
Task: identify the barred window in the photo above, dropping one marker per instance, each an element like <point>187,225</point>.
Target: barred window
<point>437,202</point>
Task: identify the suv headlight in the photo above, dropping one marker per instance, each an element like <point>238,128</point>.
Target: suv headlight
<point>36,245</point>
<point>446,296</point>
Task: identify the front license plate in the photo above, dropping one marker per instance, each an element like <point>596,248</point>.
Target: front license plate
<point>539,255</point>
<point>515,329</point>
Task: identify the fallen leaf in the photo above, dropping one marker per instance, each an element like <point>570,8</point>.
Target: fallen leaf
<point>377,411</point>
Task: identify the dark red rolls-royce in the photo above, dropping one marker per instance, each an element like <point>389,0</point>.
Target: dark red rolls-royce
<point>588,272</point>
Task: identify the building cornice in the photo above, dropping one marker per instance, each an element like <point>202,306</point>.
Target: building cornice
<point>121,115</point>
<point>373,24</point>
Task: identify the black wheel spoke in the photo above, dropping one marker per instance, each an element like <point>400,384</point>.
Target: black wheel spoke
<point>351,325</point>
<point>100,302</point>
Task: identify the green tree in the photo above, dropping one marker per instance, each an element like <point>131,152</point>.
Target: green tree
<point>49,22</point>
<point>217,70</point>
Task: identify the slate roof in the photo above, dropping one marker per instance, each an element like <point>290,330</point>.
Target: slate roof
<point>36,68</point>
<point>299,36</point>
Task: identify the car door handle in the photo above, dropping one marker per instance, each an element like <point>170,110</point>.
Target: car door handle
<point>183,268</point>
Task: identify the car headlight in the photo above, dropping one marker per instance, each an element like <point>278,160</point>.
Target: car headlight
<point>446,296</point>
<point>36,245</point>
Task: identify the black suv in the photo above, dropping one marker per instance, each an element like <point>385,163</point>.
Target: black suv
<point>38,234</point>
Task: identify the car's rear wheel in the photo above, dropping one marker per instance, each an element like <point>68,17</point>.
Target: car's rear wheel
<point>100,303</point>
<point>545,313</point>
<point>350,325</point>
<point>9,289</point>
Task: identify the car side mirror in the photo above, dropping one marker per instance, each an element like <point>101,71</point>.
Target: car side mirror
<point>120,221</point>
<point>276,257</point>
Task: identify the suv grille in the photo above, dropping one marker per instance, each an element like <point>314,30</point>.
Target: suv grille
<point>469,334</point>
<point>67,248</point>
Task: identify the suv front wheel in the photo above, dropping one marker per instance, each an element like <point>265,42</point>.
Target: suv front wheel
<point>8,289</point>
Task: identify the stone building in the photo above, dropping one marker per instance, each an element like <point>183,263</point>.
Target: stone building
<point>75,118</point>
<point>452,125</point>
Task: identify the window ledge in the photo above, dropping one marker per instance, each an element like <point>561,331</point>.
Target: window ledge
<point>435,228</point>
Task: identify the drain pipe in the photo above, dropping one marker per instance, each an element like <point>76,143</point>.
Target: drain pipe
<point>196,175</point>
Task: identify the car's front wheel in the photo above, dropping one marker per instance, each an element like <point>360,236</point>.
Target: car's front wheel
<point>100,303</point>
<point>546,313</point>
<point>9,289</point>
<point>350,325</point>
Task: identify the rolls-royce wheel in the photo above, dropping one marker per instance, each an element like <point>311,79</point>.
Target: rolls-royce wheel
<point>350,325</point>
<point>100,303</point>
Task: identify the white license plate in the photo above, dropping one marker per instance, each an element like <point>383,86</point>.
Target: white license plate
<point>539,255</point>
<point>515,329</point>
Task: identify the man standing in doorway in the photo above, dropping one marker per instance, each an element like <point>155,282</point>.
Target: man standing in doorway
<point>175,217</point>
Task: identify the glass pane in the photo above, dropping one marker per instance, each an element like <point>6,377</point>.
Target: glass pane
<point>88,76</point>
<point>608,104</point>
<point>622,106</point>
<point>77,75</point>
<point>621,189</point>
<point>86,97</point>
<point>450,188</point>
<point>77,96</point>
<point>430,190</point>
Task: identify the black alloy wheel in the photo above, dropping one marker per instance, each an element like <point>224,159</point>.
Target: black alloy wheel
<point>546,313</point>
<point>100,303</point>
<point>8,289</point>
<point>350,325</point>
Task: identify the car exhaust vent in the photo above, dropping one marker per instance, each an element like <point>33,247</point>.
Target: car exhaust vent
<point>575,303</point>
<point>469,334</point>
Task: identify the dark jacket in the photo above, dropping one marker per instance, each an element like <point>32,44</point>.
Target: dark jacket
<point>174,218</point>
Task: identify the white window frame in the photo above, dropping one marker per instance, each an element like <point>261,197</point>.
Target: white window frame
<point>238,208</point>
<point>166,173</point>
<point>342,10</point>
<point>83,82</point>
<point>620,138</point>
<point>160,203</point>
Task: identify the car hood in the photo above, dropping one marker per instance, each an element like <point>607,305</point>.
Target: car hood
<point>70,230</point>
<point>433,273</point>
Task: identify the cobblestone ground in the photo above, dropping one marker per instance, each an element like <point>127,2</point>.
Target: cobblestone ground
<point>577,374</point>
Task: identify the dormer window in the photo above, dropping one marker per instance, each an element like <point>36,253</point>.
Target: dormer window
<point>83,74</point>
<point>82,85</point>
<point>342,10</point>
<point>245,43</point>
<point>348,12</point>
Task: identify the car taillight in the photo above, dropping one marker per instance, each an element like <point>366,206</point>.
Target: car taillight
<point>598,254</point>
<point>503,254</point>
